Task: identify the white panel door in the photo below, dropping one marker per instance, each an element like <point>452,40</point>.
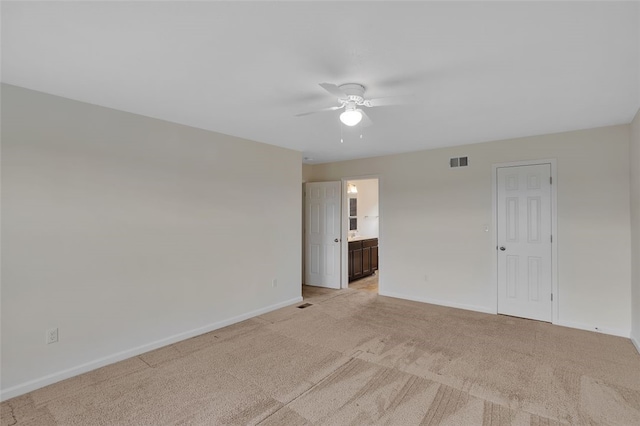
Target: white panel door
<point>322,234</point>
<point>524,241</point>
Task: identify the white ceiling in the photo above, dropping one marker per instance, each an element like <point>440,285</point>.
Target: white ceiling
<point>477,71</point>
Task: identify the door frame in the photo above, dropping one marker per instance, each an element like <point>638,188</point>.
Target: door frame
<point>554,229</point>
<point>345,229</point>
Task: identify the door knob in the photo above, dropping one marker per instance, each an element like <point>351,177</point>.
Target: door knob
<point>503,248</point>
<point>335,241</point>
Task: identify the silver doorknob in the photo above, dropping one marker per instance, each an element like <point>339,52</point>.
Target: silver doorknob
<point>503,248</point>
<point>335,241</point>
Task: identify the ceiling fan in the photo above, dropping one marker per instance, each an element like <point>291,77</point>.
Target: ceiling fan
<point>351,98</point>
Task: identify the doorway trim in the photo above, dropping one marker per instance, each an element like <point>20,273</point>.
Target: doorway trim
<point>345,229</point>
<point>554,230</point>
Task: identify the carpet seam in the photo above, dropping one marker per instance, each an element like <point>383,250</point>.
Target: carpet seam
<point>12,414</point>
<point>146,363</point>
<point>322,380</point>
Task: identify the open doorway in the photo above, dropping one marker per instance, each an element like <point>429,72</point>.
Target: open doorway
<point>362,224</point>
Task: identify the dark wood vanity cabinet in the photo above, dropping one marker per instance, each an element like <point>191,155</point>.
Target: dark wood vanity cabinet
<point>355,260</point>
<point>363,258</point>
<point>374,257</point>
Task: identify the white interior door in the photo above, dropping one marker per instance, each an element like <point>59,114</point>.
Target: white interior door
<point>524,241</point>
<point>322,234</point>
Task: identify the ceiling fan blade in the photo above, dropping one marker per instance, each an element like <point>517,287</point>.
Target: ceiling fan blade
<point>366,121</point>
<point>333,108</point>
<point>388,101</point>
<point>334,90</point>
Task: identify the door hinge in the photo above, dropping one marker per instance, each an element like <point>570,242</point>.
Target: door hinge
<point>552,297</point>
<point>550,180</point>
<point>552,238</point>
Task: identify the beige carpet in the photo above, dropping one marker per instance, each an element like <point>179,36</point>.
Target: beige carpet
<point>354,357</point>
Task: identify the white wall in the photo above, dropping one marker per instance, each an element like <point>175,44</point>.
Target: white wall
<point>368,210</point>
<point>635,212</point>
<point>635,228</point>
<point>129,233</point>
<point>433,221</point>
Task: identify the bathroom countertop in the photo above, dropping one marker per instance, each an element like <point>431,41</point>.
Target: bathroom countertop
<point>359,238</point>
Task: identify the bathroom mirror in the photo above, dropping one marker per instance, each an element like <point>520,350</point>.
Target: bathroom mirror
<point>353,207</point>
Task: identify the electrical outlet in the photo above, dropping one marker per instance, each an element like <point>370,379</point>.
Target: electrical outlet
<point>52,335</point>
<point>274,283</point>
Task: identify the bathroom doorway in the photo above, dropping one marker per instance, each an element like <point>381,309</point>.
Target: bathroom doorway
<point>361,238</point>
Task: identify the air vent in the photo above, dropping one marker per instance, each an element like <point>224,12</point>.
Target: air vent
<point>459,162</point>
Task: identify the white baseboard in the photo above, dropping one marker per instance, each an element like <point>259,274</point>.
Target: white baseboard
<point>119,356</point>
<point>437,302</point>
<point>636,343</point>
<point>580,326</point>
<point>611,331</point>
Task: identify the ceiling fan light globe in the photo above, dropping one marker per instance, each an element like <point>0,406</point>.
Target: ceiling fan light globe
<point>351,117</point>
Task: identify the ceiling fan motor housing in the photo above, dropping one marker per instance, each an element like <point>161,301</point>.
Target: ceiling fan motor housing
<point>354,91</point>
